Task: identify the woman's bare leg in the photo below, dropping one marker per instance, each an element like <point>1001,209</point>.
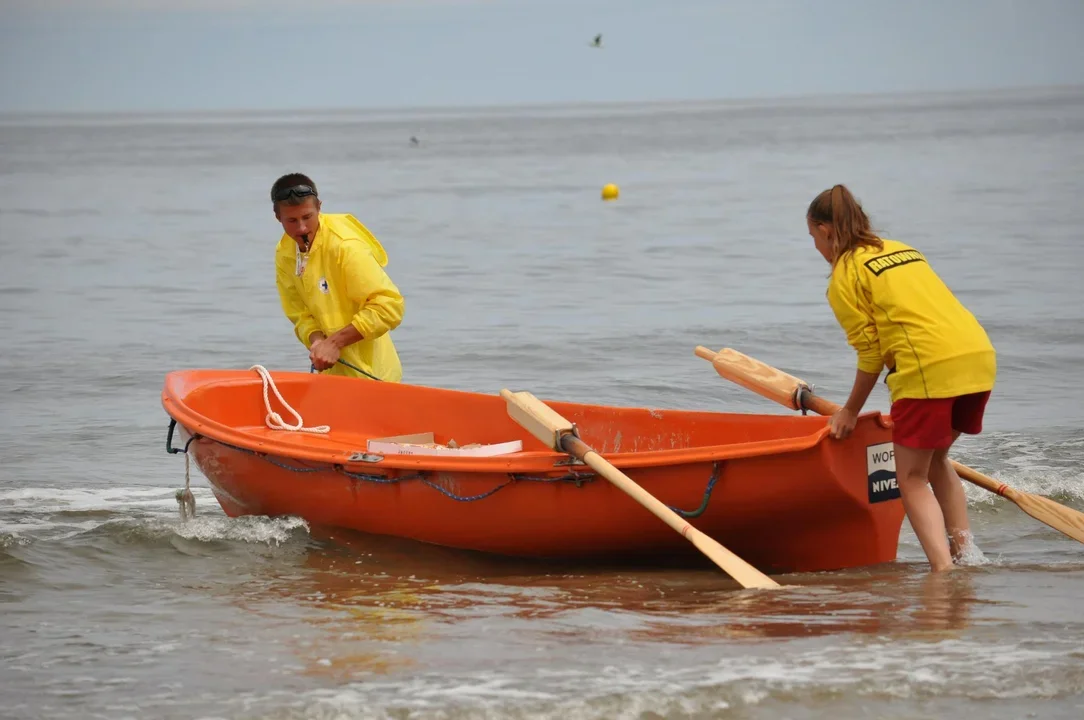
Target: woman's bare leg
<point>950,496</point>
<point>921,506</point>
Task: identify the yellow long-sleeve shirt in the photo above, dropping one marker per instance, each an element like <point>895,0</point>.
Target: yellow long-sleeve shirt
<point>341,281</point>
<point>897,312</point>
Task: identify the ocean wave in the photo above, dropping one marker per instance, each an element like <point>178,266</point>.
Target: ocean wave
<point>1066,487</point>
<point>740,685</point>
<point>1048,466</point>
<point>132,515</point>
<point>113,499</point>
<point>252,529</point>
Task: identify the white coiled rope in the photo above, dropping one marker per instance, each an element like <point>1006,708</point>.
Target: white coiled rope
<point>273,419</point>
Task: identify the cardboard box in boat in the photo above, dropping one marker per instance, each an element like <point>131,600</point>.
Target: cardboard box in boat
<point>424,444</point>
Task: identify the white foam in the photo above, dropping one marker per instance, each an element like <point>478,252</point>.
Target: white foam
<point>248,529</point>
<point>45,513</point>
<point>970,553</point>
<point>891,668</point>
<point>1039,481</point>
<point>82,499</point>
<point>1029,464</point>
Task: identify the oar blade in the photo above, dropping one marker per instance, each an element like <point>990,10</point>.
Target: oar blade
<point>746,575</point>
<point>537,418</point>
<point>753,375</point>
<point>1063,519</point>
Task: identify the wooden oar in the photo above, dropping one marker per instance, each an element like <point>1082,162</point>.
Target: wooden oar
<point>547,425</point>
<point>788,390</point>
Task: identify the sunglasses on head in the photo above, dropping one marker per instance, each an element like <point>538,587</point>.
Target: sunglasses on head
<point>297,191</point>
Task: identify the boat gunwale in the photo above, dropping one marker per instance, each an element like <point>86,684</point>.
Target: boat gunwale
<point>520,462</point>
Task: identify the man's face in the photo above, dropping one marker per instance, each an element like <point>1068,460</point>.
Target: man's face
<point>300,220</point>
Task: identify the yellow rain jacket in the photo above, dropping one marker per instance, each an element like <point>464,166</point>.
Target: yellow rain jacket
<point>898,313</point>
<point>341,281</point>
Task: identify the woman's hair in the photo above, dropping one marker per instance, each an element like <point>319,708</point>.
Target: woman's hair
<point>850,224</point>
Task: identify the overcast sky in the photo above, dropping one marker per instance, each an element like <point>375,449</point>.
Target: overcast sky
<point>118,55</point>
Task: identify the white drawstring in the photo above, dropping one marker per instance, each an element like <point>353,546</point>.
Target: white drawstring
<point>273,419</point>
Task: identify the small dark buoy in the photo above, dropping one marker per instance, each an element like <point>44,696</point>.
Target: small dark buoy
<point>414,141</point>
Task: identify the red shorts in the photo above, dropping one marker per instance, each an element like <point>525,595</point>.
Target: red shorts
<point>930,424</point>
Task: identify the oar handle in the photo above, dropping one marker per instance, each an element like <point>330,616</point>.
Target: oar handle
<point>705,353</point>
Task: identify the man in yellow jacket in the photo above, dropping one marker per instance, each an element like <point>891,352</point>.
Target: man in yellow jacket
<point>330,278</point>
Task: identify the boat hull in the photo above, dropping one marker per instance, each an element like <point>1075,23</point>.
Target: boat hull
<point>800,503</point>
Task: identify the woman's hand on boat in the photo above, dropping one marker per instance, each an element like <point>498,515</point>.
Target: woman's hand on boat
<point>842,423</point>
<point>324,354</point>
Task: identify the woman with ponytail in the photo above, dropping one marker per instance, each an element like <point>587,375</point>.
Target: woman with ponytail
<point>897,313</point>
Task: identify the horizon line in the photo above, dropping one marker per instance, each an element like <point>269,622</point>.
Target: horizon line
<point>1021,89</point>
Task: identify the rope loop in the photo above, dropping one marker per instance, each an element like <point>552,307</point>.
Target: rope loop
<point>273,419</point>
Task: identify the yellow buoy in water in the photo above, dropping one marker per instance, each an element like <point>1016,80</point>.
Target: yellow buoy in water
<point>609,192</point>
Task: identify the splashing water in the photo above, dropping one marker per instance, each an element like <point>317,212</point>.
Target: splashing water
<point>969,554</point>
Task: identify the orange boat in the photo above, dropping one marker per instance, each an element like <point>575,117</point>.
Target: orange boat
<point>774,489</point>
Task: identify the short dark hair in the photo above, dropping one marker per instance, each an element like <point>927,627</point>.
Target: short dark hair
<point>288,181</point>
